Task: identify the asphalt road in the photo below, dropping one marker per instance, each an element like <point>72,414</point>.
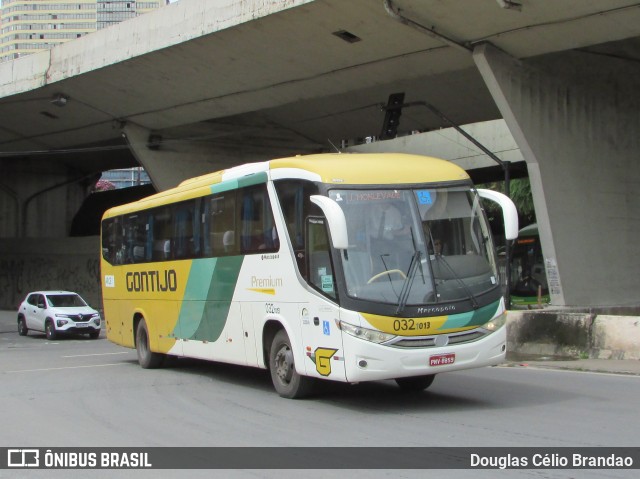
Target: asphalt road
<point>79,392</point>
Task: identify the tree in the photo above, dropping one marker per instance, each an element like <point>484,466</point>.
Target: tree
<point>520,193</point>
<point>104,185</point>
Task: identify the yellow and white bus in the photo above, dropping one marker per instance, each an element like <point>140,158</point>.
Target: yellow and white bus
<point>346,267</point>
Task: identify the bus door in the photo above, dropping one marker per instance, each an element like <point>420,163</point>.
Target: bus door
<point>321,337</point>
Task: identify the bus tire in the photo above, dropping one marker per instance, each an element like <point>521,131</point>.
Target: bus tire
<point>286,381</point>
<point>416,383</point>
<point>146,358</point>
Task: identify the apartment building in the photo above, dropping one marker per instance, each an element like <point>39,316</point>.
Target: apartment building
<point>29,26</point>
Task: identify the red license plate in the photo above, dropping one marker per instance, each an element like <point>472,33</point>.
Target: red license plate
<point>442,359</point>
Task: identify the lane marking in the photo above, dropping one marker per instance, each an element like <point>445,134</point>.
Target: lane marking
<point>625,374</point>
<point>68,367</point>
<point>95,354</point>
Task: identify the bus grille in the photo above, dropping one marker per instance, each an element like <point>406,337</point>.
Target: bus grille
<point>430,341</point>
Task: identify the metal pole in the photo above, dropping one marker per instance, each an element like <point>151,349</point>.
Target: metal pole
<point>507,180</point>
<point>507,243</point>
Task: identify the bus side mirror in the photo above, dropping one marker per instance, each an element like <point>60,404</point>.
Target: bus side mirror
<point>336,221</point>
<point>509,212</point>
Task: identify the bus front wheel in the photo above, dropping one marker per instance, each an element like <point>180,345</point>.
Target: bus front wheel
<point>287,382</point>
<point>146,358</point>
<point>416,383</point>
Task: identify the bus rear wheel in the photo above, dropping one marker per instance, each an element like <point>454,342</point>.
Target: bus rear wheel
<point>286,380</point>
<point>416,383</point>
<point>146,358</point>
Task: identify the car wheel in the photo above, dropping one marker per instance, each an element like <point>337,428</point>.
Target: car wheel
<point>416,383</point>
<point>94,335</point>
<point>22,327</point>
<point>50,330</point>
<point>146,358</point>
<point>287,382</point>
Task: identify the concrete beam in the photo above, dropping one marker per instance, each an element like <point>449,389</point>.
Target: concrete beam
<point>449,144</point>
<point>576,122</point>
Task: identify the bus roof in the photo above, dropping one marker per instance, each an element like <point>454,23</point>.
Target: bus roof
<point>374,168</point>
<point>332,168</point>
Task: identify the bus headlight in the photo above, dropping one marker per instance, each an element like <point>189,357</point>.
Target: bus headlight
<point>364,333</point>
<point>496,323</point>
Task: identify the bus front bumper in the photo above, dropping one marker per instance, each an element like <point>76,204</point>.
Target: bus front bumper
<point>366,361</point>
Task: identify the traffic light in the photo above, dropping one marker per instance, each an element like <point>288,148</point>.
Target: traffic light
<point>392,116</point>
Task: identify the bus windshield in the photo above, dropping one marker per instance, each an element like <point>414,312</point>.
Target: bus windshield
<point>416,246</point>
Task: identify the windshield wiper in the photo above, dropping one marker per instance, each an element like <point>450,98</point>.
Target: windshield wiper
<point>408,281</point>
<point>474,302</point>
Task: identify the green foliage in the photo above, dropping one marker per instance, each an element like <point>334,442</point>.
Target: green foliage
<point>520,193</point>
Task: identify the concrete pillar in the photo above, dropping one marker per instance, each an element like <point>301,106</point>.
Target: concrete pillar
<point>169,161</point>
<point>40,198</point>
<point>166,162</point>
<point>575,117</point>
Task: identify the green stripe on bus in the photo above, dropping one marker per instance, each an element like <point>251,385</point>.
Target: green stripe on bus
<point>249,180</point>
<point>207,298</point>
<point>473,318</point>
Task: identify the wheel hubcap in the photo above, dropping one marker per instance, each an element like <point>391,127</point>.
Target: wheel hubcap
<point>284,364</point>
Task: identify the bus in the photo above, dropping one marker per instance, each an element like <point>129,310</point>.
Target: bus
<point>529,285</point>
<point>344,267</point>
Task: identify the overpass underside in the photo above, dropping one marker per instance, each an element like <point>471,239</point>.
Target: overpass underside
<point>571,111</point>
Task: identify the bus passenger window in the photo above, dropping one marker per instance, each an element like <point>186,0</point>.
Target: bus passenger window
<point>221,228</point>
<point>162,234</point>
<point>135,238</point>
<point>184,231</point>
<point>257,233</point>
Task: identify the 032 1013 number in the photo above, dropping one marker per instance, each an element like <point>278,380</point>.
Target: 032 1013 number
<point>410,325</point>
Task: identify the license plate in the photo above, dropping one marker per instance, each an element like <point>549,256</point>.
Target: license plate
<point>82,325</point>
<point>442,359</point>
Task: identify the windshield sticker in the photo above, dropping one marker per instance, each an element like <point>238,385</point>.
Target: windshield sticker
<point>424,197</point>
<point>369,196</point>
<point>327,283</point>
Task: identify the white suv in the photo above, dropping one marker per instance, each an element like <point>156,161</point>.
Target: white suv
<point>57,312</point>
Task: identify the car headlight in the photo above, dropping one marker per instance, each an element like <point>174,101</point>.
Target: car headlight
<point>364,333</point>
<point>97,321</point>
<point>496,323</point>
<point>61,322</point>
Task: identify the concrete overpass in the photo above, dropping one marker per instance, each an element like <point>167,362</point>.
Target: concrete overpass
<point>201,85</point>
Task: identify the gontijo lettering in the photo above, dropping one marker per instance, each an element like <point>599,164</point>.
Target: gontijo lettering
<point>152,281</point>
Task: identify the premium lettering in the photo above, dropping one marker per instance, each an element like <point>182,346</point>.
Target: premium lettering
<point>265,282</point>
<point>152,281</point>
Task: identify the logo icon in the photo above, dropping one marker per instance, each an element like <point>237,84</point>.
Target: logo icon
<point>23,458</point>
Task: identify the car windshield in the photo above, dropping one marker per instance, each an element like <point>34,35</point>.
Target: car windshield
<point>65,301</point>
<point>416,246</point>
